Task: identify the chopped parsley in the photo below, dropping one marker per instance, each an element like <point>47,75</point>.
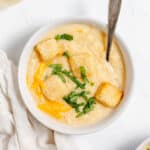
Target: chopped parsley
<point>89,106</point>
<point>86,103</point>
<point>83,74</point>
<point>74,79</point>
<point>83,107</point>
<point>64,37</point>
<point>92,83</point>
<point>72,100</point>
<point>57,70</point>
<point>66,54</point>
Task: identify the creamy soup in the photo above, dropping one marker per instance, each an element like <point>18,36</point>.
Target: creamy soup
<point>69,77</point>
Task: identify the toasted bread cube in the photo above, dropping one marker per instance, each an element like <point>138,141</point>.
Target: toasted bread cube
<point>84,59</point>
<point>51,90</point>
<point>108,94</point>
<point>91,65</point>
<point>47,49</point>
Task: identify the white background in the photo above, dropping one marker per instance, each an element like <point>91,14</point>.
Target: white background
<point>18,23</point>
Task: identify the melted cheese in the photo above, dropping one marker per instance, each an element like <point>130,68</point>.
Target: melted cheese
<point>54,108</point>
<point>51,107</point>
<point>38,82</point>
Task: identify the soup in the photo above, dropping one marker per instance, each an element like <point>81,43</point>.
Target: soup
<point>69,77</point>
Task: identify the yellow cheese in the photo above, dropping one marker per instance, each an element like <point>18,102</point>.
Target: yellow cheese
<point>38,83</point>
<point>54,108</point>
<point>50,107</point>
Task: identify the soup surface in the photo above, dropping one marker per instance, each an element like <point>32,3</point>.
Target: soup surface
<point>70,78</point>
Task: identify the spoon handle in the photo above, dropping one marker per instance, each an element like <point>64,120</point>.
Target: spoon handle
<point>114,10</point>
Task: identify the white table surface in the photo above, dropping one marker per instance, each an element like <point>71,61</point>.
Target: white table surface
<point>18,23</point>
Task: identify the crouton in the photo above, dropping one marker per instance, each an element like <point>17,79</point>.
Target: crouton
<point>108,94</point>
<point>47,49</point>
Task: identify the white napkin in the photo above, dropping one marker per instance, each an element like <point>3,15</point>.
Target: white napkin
<point>18,129</point>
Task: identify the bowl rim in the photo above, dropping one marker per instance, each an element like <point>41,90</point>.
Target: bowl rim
<point>56,125</point>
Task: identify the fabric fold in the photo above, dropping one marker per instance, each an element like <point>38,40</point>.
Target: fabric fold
<point>18,128</point>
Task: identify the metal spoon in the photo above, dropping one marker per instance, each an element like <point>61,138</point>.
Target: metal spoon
<point>114,10</point>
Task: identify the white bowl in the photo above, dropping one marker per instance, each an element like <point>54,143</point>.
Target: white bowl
<point>143,144</point>
<point>49,121</point>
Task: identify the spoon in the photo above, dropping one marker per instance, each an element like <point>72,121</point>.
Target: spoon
<point>113,14</point>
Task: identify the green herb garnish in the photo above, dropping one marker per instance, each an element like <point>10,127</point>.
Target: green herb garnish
<point>66,54</point>
<point>64,37</point>
<point>83,107</point>
<point>84,77</point>
<point>92,83</point>
<point>56,67</point>
<point>88,107</point>
<point>57,70</point>
<point>83,74</point>
<point>72,100</point>
<point>87,103</point>
<point>74,79</point>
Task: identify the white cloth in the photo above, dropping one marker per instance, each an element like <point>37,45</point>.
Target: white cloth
<point>18,129</point>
